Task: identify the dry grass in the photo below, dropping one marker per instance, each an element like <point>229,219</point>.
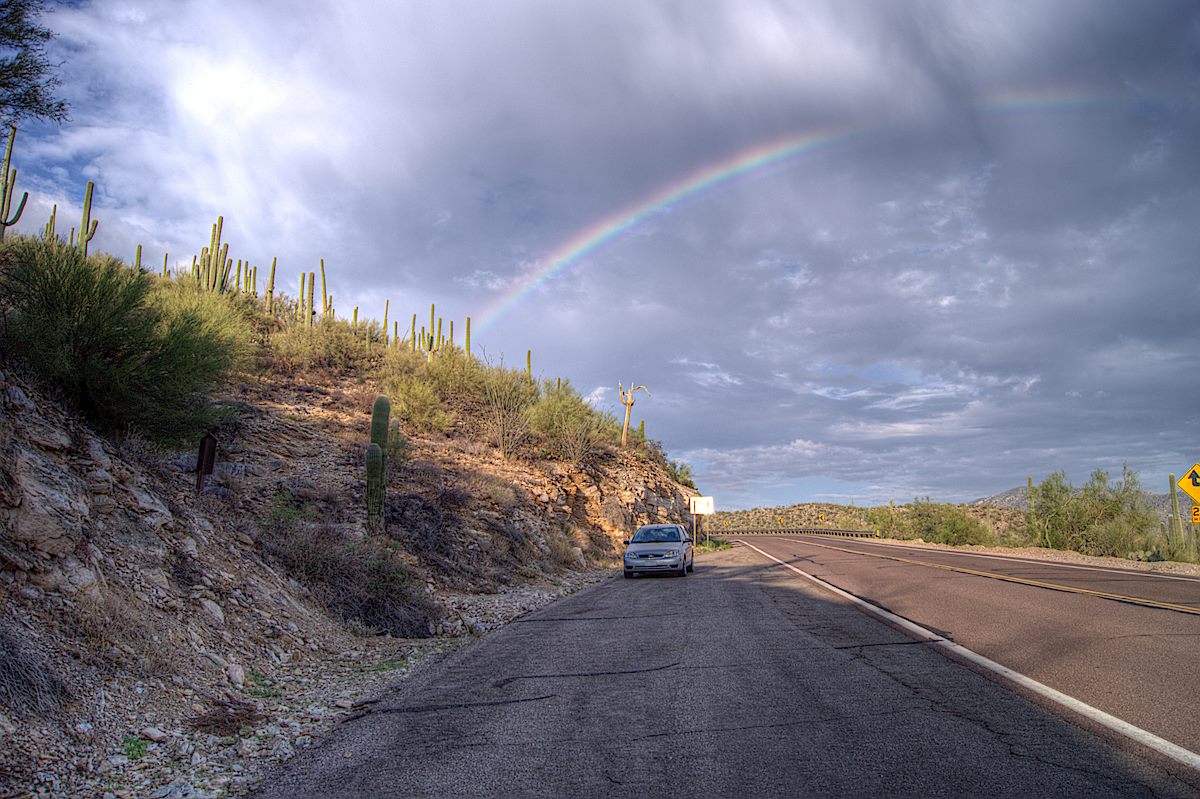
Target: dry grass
<point>117,630</point>
<point>361,580</point>
<point>27,683</point>
<point>227,718</point>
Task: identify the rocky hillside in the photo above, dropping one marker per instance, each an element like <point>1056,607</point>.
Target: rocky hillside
<point>159,642</point>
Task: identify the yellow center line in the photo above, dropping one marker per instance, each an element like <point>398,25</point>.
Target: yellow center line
<point>1070,589</point>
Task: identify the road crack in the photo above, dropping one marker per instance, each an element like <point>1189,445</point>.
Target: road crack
<point>448,706</point>
<point>507,680</point>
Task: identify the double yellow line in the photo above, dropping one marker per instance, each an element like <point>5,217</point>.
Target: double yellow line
<point>1070,589</point>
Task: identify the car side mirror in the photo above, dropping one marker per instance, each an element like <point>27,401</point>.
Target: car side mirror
<point>626,542</point>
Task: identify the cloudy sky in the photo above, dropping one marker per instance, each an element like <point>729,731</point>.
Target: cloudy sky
<point>866,250</point>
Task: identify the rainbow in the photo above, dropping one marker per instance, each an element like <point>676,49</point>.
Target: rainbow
<point>588,240</point>
<point>754,159</point>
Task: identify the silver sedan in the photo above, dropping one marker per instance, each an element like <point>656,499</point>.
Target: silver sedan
<point>659,548</point>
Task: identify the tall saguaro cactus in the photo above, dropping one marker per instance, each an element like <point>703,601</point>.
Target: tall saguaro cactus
<point>468,335</point>
<point>8,185</point>
<point>87,227</point>
<point>271,288</point>
<point>627,399</point>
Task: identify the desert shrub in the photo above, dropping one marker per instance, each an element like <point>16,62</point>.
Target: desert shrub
<point>329,344</point>
<point>1101,518</point>
<point>566,426</point>
<point>945,524</point>
<point>416,401</point>
<point>682,473</point>
<point>454,375</point>
<point>360,580</point>
<point>27,682</point>
<point>507,397</point>
<point>125,353</point>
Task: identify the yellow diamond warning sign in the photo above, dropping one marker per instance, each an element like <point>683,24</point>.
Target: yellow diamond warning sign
<point>1190,483</point>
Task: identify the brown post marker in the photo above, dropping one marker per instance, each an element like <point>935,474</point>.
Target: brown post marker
<point>206,459</point>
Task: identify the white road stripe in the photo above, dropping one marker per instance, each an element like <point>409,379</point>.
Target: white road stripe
<point>1034,561</point>
<point>1160,745</point>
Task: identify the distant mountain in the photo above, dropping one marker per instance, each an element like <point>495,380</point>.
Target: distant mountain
<point>1018,499</point>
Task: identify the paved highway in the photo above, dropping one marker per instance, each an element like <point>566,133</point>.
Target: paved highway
<point>742,679</point>
<point>1128,646</point>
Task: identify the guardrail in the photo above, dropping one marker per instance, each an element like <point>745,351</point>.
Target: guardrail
<point>727,532</point>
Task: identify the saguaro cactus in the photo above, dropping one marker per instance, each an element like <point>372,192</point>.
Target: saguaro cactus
<point>380,412</point>
<point>386,306</point>
<point>324,294</point>
<point>627,400</point>
<point>87,228</point>
<point>8,184</point>
<point>271,288</point>
<point>529,370</point>
<point>312,280</point>
<point>1174,524</point>
<point>376,494</point>
<point>468,334</point>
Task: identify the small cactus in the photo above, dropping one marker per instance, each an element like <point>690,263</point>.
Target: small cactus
<point>49,232</point>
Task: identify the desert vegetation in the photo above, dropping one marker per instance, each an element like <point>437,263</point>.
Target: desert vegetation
<point>1104,517</point>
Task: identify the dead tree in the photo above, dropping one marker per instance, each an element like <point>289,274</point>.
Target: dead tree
<point>627,400</point>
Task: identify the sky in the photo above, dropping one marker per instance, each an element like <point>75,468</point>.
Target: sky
<point>857,251</point>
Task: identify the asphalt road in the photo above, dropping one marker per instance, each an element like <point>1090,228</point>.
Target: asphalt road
<point>1138,663</point>
<point>739,680</point>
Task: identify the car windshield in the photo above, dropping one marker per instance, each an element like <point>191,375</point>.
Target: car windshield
<point>656,535</point>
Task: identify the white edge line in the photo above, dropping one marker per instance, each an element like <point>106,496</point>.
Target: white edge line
<point>1148,739</point>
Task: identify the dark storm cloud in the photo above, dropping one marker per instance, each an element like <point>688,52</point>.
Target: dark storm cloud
<point>993,275</point>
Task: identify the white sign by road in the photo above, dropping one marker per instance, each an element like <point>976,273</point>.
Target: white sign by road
<point>701,506</point>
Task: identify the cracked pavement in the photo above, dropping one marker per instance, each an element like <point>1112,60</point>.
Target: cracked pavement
<point>739,680</point>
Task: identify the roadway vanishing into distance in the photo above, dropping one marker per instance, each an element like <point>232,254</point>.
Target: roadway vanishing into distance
<point>746,679</point>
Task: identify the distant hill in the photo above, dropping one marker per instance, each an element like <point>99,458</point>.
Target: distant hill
<point>1018,499</point>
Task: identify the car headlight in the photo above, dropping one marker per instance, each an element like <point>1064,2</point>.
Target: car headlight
<point>630,556</point>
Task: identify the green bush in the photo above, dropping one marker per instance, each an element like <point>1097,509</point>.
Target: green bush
<point>125,353</point>
<point>454,374</point>
<point>329,344</point>
<point>563,423</point>
<point>507,397</point>
<point>945,524</point>
<point>1101,518</point>
<point>416,401</point>
<point>682,473</point>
